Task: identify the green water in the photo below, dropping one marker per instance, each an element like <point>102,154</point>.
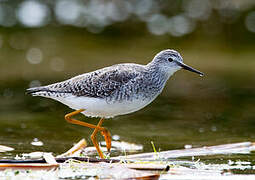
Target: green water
<point>215,109</point>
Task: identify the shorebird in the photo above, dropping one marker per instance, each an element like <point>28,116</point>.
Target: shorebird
<point>114,90</point>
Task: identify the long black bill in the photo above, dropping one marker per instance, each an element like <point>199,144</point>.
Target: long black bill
<point>186,67</point>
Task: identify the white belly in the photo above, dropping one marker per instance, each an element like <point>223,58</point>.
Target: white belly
<point>100,108</point>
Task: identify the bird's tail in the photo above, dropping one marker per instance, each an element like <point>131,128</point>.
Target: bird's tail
<point>49,91</point>
<point>38,91</point>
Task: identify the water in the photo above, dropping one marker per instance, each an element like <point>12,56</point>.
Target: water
<point>215,109</point>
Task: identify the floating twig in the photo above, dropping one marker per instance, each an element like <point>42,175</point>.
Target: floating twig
<point>235,148</point>
<point>79,146</point>
<point>5,148</point>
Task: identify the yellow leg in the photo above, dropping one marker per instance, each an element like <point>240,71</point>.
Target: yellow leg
<point>107,138</point>
<point>81,123</point>
<point>104,131</point>
<point>94,140</point>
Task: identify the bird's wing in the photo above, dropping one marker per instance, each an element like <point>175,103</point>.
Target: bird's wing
<point>98,84</point>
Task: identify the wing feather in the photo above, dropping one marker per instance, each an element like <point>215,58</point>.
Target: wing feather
<point>98,84</point>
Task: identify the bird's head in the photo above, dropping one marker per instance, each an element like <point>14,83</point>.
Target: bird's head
<point>172,61</point>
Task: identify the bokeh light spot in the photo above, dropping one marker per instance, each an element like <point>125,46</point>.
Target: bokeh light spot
<point>33,13</point>
<point>34,83</point>
<point>67,12</point>
<point>157,24</point>
<point>57,64</point>
<point>198,9</point>
<point>250,21</point>
<point>180,25</point>
<point>34,56</point>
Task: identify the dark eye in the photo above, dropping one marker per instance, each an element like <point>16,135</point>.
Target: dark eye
<point>170,59</point>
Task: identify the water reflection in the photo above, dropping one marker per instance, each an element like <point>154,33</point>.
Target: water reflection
<point>36,142</point>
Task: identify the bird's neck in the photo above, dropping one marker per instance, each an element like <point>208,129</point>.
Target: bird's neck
<point>156,76</point>
<point>163,71</point>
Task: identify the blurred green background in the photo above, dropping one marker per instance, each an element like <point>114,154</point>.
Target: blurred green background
<point>43,42</point>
